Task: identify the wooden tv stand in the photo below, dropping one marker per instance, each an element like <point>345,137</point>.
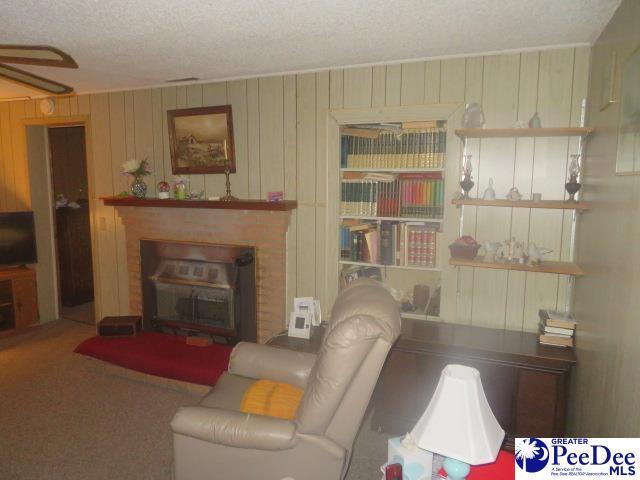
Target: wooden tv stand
<point>526,383</point>
<point>18,300</point>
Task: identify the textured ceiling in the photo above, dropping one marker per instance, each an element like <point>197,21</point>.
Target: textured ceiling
<point>122,44</point>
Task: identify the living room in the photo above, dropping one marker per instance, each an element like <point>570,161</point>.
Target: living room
<point>496,137</point>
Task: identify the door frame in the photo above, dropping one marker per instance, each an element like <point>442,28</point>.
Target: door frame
<point>74,121</point>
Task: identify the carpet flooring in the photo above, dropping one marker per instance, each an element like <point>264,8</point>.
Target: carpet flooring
<point>61,420</point>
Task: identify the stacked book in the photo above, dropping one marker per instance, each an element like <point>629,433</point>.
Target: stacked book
<point>407,195</point>
<point>408,148</point>
<point>556,328</point>
<point>411,244</point>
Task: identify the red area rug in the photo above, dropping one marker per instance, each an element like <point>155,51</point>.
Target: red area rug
<point>162,355</point>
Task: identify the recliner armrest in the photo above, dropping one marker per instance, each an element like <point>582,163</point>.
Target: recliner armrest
<point>270,363</point>
<point>235,429</point>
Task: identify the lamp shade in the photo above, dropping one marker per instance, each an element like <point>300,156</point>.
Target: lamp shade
<point>458,422</point>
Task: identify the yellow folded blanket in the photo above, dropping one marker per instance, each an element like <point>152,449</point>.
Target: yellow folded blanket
<point>273,399</point>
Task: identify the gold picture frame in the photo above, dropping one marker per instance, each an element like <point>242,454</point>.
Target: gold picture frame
<point>201,140</point>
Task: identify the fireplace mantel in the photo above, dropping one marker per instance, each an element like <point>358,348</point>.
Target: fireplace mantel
<point>131,201</point>
<point>252,223</point>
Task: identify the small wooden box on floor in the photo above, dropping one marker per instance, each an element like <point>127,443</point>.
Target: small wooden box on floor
<point>123,326</point>
<point>526,383</point>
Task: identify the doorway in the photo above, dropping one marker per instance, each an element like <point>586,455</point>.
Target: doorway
<point>59,186</point>
<point>72,222</point>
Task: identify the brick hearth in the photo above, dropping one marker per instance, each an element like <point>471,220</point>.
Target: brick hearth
<point>265,230</point>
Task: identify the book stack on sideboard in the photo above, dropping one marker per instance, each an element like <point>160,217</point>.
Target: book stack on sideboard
<point>556,328</point>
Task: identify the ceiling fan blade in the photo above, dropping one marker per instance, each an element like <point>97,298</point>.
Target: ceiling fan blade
<point>31,80</point>
<point>36,55</point>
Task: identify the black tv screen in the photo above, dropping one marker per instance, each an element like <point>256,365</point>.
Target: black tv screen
<point>17,239</point>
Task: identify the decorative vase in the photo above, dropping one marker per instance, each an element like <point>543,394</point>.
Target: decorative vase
<point>138,187</point>
<point>466,184</point>
<point>572,187</point>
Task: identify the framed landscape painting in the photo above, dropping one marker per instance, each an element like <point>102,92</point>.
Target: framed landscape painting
<point>201,140</point>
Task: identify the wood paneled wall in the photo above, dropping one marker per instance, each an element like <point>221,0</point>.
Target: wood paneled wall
<point>280,124</point>
<point>607,303</point>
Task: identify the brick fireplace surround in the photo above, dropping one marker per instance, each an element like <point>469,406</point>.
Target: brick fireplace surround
<point>263,229</point>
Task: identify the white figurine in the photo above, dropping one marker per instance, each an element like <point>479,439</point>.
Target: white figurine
<point>514,195</point>
<point>535,253</point>
<point>489,193</point>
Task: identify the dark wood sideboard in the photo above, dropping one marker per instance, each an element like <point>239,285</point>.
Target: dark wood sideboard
<point>526,384</point>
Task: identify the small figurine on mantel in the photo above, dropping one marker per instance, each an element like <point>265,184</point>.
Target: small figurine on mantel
<point>489,193</point>
<point>180,187</point>
<point>164,190</point>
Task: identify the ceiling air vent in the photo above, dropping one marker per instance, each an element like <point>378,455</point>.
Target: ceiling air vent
<point>185,79</point>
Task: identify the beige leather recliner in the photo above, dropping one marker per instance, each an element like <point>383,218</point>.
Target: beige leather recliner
<point>216,441</point>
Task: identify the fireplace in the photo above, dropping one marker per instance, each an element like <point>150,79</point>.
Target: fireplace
<point>257,225</point>
<point>199,288</point>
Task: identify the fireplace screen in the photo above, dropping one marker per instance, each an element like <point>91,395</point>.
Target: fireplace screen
<point>200,288</point>
<point>195,293</point>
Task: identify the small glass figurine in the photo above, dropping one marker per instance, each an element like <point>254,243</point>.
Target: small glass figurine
<point>489,193</point>
<point>466,183</point>
<point>180,188</point>
<point>572,186</point>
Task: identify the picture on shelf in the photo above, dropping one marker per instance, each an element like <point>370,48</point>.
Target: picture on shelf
<point>201,140</point>
<point>351,273</point>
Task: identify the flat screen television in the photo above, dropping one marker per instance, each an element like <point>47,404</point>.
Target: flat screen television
<point>17,239</point>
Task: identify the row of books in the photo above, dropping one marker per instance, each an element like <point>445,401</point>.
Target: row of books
<point>413,148</point>
<point>390,243</point>
<point>419,195</point>
<point>556,328</point>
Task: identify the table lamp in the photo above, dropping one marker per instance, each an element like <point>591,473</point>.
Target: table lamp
<point>458,423</point>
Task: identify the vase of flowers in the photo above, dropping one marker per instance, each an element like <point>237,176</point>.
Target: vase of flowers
<point>137,170</point>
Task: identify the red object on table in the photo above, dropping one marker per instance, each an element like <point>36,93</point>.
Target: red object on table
<point>502,469</point>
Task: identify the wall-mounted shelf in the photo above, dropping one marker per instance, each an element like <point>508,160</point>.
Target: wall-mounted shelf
<point>392,170</point>
<point>550,204</point>
<point>393,219</point>
<point>561,268</point>
<point>523,132</point>
<point>400,267</point>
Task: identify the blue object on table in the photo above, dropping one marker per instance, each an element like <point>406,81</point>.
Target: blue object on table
<point>456,470</point>
<point>416,463</point>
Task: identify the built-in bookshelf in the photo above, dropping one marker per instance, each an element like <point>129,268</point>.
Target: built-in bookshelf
<point>392,203</point>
